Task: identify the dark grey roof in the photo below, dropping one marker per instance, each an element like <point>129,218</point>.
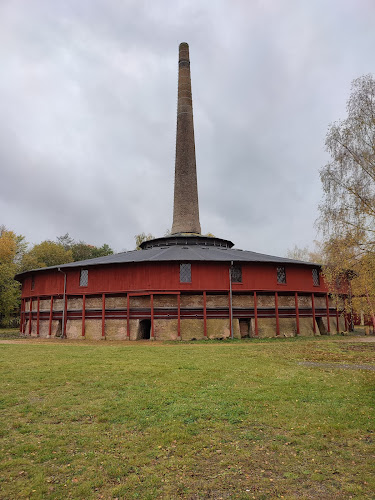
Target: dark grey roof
<point>179,253</point>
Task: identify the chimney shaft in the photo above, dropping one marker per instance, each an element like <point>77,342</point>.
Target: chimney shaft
<point>186,208</point>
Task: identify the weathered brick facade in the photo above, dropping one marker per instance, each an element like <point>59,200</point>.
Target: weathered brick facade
<point>192,313</point>
<point>185,209</point>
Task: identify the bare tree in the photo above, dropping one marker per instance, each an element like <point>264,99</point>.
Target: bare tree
<point>348,206</point>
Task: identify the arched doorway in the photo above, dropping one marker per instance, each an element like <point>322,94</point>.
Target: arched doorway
<point>144,329</point>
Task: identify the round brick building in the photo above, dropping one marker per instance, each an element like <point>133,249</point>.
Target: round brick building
<point>183,286</point>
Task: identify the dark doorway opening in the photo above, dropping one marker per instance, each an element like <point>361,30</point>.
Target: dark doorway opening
<point>245,328</point>
<point>321,326</point>
<point>59,328</point>
<point>144,329</point>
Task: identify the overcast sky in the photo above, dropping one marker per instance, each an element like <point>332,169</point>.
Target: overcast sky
<point>88,92</point>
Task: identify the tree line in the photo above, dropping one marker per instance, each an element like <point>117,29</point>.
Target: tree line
<point>16,256</point>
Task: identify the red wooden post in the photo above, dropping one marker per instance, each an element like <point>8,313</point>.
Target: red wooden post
<point>21,319</point>
<point>205,313</point>
<point>24,316</point>
<point>83,315</point>
<point>297,311</point>
<point>50,317</point>
<point>327,307</point>
<point>179,316</point>
<point>255,314</point>
<point>345,316</point>
<point>337,317</point>
<point>152,317</point>
<point>37,317</point>
<point>103,314</point>
<point>30,314</point>
<point>65,315</point>
<point>230,311</point>
<point>313,311</point>
<point>128,316</point>
<point>277,313</point>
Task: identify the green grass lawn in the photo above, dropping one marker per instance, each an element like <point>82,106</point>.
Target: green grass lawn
<point>187,420</point>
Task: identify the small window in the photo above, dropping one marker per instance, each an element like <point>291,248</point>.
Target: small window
<point>236,273</point>
<point>32,282</point>
<point>281,275</point>
<point>84,277</point>
<point>185,273</point>
<point>315,276</point>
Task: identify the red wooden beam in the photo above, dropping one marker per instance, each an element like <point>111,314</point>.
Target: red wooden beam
<point>30,314</point>
<point>205,313</point>
<point>313,311</point>
<point>152,317</point>
<point>255,314</point>
<point>21,318</point>
<point>179,316</point>
<point>277,313</point>
<point>345,316</point>
<point>230,312</point>
<point>128,316</point>
<point>297,312</point>
<point>327,307</point>
<point>83,315</point>
<point>337,317</point>
<point>65,315</point>
<point>50,317</point>
<point>103,314</point>
<point>37,317</point>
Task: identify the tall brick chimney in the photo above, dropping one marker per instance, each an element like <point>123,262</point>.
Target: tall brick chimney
<point>186,208</point>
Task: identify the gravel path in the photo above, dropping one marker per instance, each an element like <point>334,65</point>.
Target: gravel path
<point>342,366</point>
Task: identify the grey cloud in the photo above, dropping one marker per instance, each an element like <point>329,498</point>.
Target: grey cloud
<point>88,114</point>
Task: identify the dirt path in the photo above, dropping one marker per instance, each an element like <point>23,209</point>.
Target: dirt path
<point>341,366</point>
<point>54,341</point>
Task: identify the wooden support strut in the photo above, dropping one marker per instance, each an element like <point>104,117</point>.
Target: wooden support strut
<point>22,315</point>
<point>83,315</point>
<point>205,314</point>
<point>313,311</point>
<point>255,314</point>
<point>297,312</point>
<point>327,307</point>
<point>152,317</point>
<point>65,315</point>
<point>103,315</point>
<point>230,311</point>
<point>277,314</point>
<point>179,316</point>
<point>21,321</point>
<point>128,316</point>
<point>50,317</point>
<point>37,316</point>
<point>30,314</point>
<point>345,316</point>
